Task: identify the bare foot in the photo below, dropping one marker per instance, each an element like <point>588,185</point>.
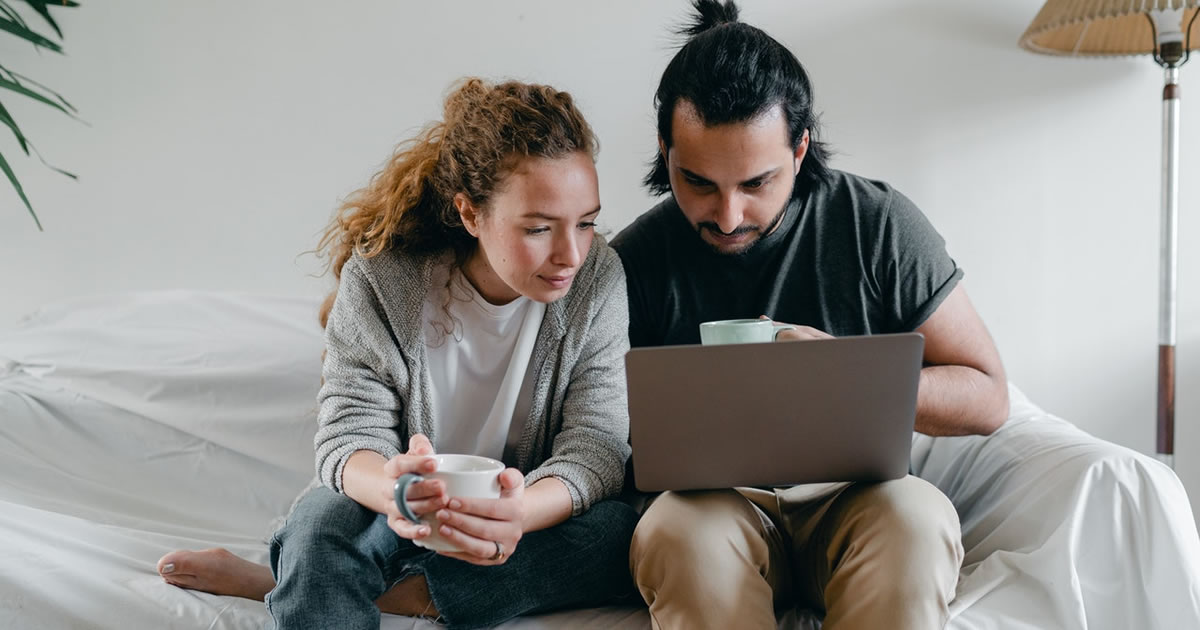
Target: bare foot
<point>216,571</point>
<point>219,572</point>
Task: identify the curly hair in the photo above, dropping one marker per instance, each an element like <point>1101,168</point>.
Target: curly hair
<point>486,129</point>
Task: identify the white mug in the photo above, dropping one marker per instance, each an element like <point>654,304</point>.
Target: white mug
<point>740,331</point>
<point>465,476</point>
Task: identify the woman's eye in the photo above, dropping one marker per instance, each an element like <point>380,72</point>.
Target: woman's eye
<point>536,230</point>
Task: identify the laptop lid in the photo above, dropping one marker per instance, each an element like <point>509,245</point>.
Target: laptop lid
<point>773,414</point>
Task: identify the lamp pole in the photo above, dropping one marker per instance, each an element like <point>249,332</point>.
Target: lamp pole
<point>1170,53</point>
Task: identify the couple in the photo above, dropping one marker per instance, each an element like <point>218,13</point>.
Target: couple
<point>473,293</point>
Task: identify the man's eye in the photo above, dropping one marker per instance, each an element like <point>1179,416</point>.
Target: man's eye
<point>758,183</point>
<point>587,225</point>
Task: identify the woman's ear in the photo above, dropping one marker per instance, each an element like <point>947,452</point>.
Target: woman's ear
<point>468,213</point>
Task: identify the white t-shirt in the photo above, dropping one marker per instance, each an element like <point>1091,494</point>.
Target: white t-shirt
<point>477,356</point>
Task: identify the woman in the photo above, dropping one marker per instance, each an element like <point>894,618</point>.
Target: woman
<point>474,303</point>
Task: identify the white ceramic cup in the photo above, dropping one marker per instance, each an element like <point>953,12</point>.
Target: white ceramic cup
<point>740,331</point>
<point>465,476</point>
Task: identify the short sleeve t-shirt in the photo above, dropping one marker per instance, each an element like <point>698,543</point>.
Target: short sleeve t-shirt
<point>851,257</point>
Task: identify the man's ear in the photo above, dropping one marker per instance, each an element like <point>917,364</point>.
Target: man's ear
<point>801,151</point>
<point>468,213</point>
<point>662,150</point>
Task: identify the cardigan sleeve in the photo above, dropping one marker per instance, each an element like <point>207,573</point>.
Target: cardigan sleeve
<point>589,452</point>
<point>359,408</point>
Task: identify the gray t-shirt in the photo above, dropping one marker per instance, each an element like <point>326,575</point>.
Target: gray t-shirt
<point>851,257</point>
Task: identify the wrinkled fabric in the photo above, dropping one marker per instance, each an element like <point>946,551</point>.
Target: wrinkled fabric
<point>135,424</point>
<point>1063,530</point>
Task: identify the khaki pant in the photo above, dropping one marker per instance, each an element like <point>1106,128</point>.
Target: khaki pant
<point>868,556</point>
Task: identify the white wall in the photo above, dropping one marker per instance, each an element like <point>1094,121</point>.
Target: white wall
<point>221,134</point>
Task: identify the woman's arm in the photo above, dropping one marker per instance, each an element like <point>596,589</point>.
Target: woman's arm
<point>359,409</point>
<point>589,452</point>
<point>369,479</point>
<point>547,503</point>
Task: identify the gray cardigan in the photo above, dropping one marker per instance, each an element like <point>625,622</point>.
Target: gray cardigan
<point>376,386</point>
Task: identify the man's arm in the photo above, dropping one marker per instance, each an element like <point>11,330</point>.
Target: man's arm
<point>963,390</point>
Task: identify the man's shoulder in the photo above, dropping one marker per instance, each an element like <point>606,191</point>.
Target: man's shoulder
<point>650,227</point>
<point>848,188</point>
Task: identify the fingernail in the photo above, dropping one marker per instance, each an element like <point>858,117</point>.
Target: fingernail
<point>424,531</point>
<point>445,530</point>
<point>168,568</point>
<point>455,504</point>
<point>443,514</point>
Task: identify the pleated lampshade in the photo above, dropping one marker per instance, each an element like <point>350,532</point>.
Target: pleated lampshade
<point>1104,27</point>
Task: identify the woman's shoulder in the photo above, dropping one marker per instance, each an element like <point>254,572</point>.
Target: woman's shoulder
<point>601,270</point>
<point>390,267</point>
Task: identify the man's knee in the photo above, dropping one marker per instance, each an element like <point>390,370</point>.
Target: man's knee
<point>687,525</point>
<point>913,516</point>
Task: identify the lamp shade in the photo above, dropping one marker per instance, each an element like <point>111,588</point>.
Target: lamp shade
<point>1107,27</point>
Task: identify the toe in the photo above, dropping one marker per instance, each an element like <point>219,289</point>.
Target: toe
<point>179,561</point>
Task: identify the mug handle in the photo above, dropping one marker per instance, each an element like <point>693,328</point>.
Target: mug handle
<point>400,492</point>
<point>779,328</point>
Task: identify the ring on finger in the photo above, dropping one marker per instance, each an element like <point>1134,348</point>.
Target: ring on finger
<point>499,552</point>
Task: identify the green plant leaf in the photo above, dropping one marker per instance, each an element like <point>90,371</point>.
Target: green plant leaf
<point>20,77</point>
<point>24,33</point>
<point>12,177</point>
<point>20,89</point>
<point>43,10</point>
<point>51,166</point>
<point>13,15</point>
<point>7,119</point>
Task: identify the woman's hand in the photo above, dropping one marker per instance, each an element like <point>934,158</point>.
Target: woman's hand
<point>487,530</point>
<point>424,497</point>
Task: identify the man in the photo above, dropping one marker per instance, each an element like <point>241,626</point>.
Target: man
<point>757,224</point>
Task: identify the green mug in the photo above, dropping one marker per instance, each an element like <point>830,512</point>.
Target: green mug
<point>740,331</point>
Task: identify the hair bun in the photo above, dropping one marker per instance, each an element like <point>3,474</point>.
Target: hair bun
<point>710,14</point>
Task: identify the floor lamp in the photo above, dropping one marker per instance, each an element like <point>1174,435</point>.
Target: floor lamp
<point>1167,30</point>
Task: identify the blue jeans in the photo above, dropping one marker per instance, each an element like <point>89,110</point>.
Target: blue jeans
<point>333,558</point>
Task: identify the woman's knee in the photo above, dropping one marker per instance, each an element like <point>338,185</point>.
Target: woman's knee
<point>611,519</point>
<point>324,515</point>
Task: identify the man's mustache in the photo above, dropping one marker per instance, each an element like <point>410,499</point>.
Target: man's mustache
<point>743,229</point>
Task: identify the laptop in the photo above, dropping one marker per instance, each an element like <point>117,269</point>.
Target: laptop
<point>773,414</point>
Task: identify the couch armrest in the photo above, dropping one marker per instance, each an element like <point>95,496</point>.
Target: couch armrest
<point>1103,534</point>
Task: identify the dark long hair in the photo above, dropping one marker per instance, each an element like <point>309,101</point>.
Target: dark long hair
<point>732,72</point>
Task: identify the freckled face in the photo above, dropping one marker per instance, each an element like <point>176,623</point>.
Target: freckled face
<point>537,229</point>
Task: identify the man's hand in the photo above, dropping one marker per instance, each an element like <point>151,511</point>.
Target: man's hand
<point>798,333</point>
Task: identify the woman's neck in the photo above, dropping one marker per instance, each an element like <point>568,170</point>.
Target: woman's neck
<point>479,272</point>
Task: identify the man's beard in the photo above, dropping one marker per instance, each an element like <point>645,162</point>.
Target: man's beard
<point>743,229</point>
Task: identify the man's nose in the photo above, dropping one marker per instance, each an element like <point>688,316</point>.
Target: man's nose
<point>730,213</point>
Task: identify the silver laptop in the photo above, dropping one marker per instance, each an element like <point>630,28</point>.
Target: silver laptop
<point>773,414</point>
